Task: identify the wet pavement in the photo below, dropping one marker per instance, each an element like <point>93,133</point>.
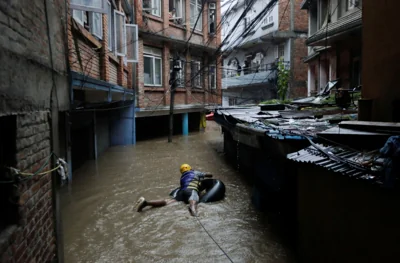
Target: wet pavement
<point>101,225</point>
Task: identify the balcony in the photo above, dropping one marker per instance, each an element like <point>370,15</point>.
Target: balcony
<point>251,76</point>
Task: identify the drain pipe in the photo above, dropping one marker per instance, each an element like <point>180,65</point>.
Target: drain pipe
<point>134,65</point>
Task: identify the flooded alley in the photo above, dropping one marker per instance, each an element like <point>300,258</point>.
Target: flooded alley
<point>101,225</point>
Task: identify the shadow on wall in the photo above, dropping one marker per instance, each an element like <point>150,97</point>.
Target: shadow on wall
<point>345,220</point>
<point>158,126</point>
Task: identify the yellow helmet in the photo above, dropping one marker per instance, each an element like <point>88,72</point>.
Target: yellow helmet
<point>185,167</point>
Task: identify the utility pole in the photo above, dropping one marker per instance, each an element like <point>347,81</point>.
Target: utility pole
<point>172,82</point>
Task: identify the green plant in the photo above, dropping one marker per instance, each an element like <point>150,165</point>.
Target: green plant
<point>283,79</point>
<point>275,101</point>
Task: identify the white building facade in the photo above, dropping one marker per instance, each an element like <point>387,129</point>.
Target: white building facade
<point>252,50</point>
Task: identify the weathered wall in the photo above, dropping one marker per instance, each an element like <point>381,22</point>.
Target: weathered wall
<point>339,218</point>
<point>26,85</point>
<point>32,239</point>
<point>299,69</point>
<point>380,70</point>
<point>29,82</point>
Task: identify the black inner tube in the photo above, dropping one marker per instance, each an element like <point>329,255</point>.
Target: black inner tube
<point>214,191</point>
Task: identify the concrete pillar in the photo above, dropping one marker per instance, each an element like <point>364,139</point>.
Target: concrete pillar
<point>94,136</point>
<point>185,123</point>
<point>123,127</point>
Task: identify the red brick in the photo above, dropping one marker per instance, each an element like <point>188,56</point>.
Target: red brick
<point>19,250</point>
<point>24,197</point>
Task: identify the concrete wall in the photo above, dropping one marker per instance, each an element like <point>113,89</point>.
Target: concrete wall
<point>233,16</point>
<point>339,218</point>
<point>380,70</point>
<point>26,85</point>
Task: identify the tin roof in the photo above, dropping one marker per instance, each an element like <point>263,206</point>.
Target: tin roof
<point>346,23</point>
<point>341,160</point>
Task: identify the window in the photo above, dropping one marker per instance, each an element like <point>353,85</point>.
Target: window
<point>152,66</point>
<point>120,33</point>
<point>156,5</point>
<point>97,6</point>
<point>79,16</point>
<point>94,24</point>
<point>180,75</point>
<point>97,25</point>
<point>195,12</point>
<point>110,25</point>
<point>132,51</point>
<point>196,74</point>
<point>176,11</point>
<point>281,51</point>
<point>352,3</point>
<point>212,77</point>
<point>152,7</point>
<point>246,23</point>
<point>268,20</point>
<point>211,18</point>
<point>232,101</point>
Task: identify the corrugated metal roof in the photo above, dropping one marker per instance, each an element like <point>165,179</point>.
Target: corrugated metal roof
<point>349,22</point>
<point>341,160</point>
<point>273,123</point>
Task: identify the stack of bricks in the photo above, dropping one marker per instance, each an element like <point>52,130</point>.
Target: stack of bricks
<point>33,238</point>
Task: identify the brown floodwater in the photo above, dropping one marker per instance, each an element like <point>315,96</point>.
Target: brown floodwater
<point>101,225</point>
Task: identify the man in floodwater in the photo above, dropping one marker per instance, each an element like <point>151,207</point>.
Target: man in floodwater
<point>189,191</point>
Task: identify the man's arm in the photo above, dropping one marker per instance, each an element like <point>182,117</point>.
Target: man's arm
<point>202,175</point>
<point>208,175</point>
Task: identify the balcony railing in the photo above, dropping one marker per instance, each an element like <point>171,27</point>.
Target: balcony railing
<point>242,71</point>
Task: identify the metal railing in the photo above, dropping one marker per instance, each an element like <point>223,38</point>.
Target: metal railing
<point>231,73</point>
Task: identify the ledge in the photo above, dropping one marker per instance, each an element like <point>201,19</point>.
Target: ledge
<point>195,32</point>
<point>113,58</point>
<point>152,17</point>
<point>267,26</point>
<point>154,88</point>
<point>197,90</point>
<point>177,26</point>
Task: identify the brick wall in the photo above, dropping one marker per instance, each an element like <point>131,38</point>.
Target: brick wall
<point>97,60</point>
<point>113,72</point>
<point>284,15</point>
<point>300,17</point>
<point>90,57</point>
<point>32,239</point>
<point>169,32</point>
<point>125,79</point>
<point>299,68</point>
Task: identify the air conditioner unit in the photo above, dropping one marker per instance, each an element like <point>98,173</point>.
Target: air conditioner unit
<point>212,6</point>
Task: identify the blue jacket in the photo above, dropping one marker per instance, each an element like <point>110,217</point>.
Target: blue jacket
<point>191,180</point>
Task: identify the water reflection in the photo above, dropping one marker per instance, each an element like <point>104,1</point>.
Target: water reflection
<point>100,224</point>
